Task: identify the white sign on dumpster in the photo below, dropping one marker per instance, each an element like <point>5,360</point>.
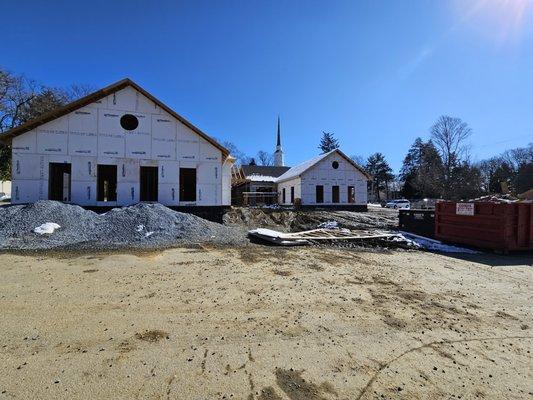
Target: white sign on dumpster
<point>464,208</point>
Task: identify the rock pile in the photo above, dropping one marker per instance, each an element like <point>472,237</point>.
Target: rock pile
<point>140,226</point>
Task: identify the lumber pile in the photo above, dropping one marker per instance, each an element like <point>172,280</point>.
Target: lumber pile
<point>315,235</point>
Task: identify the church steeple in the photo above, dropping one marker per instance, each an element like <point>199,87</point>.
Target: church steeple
<point>279,134</point>
<point>278,154</point>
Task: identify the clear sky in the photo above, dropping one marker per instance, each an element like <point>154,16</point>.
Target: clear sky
<point>376,73</point>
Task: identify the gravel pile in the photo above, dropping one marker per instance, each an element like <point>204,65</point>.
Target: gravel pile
<point>140,226</point>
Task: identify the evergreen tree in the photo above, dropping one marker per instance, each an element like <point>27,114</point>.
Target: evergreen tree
<point>421,171</point>
<point>429,178</point>
<point>381,172</point>
<point>410,168</point>
<point>502,174</point>
<point>524,178</point>
<point>328,142</point>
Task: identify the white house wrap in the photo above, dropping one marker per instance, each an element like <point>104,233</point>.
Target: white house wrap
<point>118,146</point>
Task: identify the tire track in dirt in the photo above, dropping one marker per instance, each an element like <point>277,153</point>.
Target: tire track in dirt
<point>385,365</point>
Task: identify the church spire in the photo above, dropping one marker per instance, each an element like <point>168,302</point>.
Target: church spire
<point>278,154</point>
<point>279,134</point>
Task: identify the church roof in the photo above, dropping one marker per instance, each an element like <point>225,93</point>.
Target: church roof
<point>261,171</point>
<point>299,169</point>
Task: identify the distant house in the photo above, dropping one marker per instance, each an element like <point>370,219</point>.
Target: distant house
<point>5,187</point>
<point>329,180</point>
<point>255,184</point>
<point>115,147</point>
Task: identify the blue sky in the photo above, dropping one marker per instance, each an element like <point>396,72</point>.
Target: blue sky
<point>376,73</point>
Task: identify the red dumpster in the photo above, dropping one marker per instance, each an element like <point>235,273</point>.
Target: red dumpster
<point>497,226</point>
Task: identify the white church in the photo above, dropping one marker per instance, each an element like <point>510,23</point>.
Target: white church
<point>330,180</point>
<point>116,147</point>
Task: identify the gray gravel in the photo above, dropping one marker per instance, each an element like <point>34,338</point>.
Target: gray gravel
<point>142,226</point>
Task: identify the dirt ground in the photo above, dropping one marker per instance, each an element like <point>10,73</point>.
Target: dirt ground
<point>266,323</point>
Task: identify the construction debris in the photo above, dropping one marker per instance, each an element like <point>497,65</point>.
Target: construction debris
<point>301,220</point>
<point>315,235</point>
<point>275,237</point>
<point>496,198</point>
<point>345,237</point>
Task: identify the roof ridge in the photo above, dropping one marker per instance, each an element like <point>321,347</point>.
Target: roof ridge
<point>304,166</point>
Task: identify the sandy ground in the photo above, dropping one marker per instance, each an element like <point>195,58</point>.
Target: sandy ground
<point>266,323</point>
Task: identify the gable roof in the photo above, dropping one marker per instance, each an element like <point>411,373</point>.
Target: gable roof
<point>95,96</point>
<point>299,169</point>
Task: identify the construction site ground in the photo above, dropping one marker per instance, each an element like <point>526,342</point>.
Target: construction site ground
<point>266,323</point>
<point>286,219</point>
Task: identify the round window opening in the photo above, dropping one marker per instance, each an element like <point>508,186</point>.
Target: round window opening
<point>335,164</point>
<point>129,122</point>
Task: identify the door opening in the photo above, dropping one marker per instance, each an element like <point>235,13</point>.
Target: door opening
<point>106,183</point>
<point>319,195</point>
<point>351,194</point>
<point>149,184</point>
<point>187,184</point>
<point>59,181</point>
<point>335,194</point>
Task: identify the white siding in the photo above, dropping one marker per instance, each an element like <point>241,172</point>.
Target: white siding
<point>226,182</point>
<point>324,174</point>
<point>296,183</point>
<point>93,135</point>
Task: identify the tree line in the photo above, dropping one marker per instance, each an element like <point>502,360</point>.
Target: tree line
<point>441,167</point>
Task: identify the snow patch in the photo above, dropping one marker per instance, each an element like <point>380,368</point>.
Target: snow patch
<point>261,178</point>
<point>328,225</point>
<point>434,245</point>
<point>46,228</point>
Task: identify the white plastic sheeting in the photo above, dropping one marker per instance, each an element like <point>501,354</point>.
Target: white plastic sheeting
<point>46,228</point>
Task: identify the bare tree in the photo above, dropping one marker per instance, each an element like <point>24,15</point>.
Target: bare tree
<point>518,157</point>
<point>79,90</point>
<point>359,160</point>
<point>265,158</point>
<point>16,92</point>
<point>240,157</point>
<point>21,100</point>
<point>449,135</point>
